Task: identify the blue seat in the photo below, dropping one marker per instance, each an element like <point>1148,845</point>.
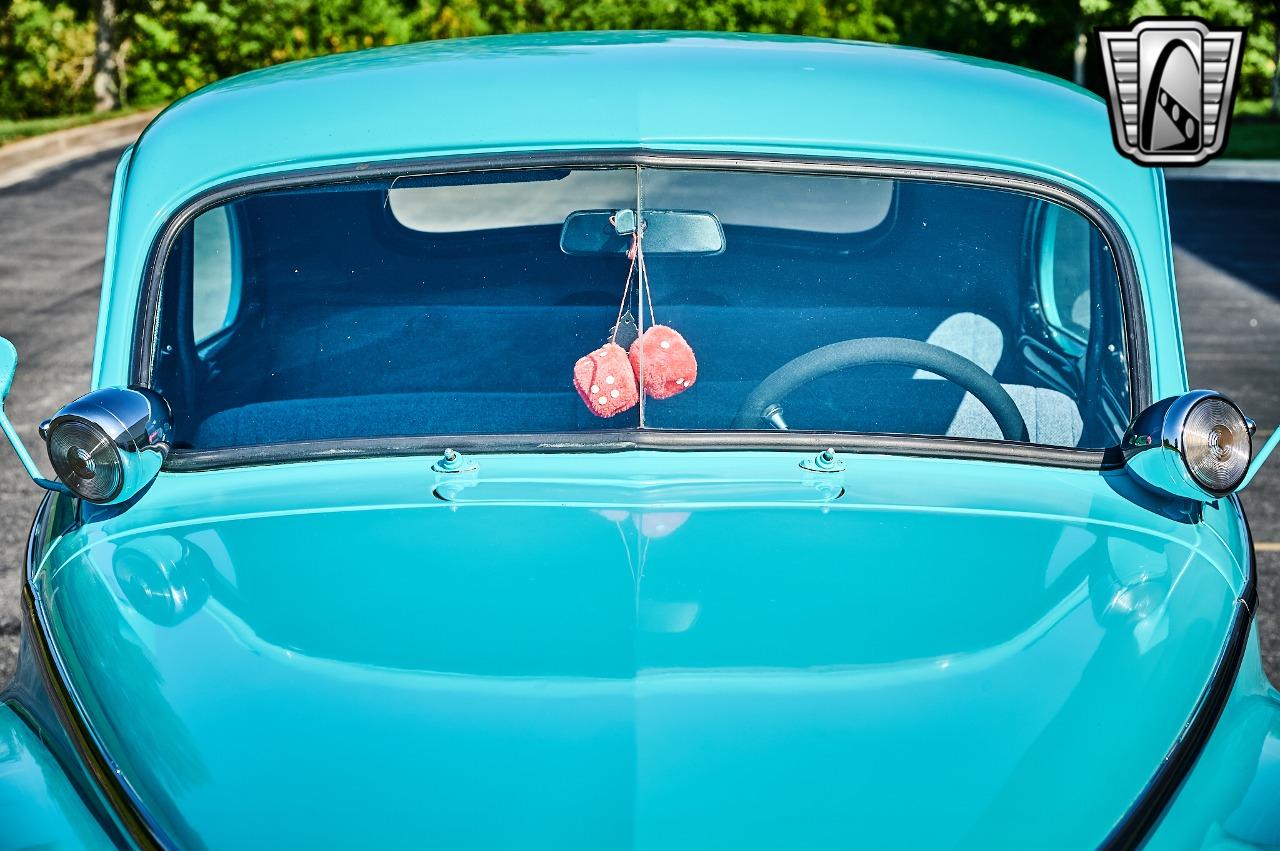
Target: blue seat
<point>476,376</point>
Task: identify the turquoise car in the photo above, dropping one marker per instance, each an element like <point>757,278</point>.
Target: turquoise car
<point>639,440</point>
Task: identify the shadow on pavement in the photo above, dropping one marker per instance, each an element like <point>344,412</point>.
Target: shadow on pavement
<point>1213,219</point>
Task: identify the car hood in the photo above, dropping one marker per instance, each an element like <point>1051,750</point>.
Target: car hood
<point>729,652</point>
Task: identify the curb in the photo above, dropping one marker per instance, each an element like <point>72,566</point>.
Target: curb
<point>28,158</point>
<point>1260,170</point>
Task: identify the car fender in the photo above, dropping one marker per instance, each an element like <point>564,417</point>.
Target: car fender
<point>1231,798</point>
<point>39,807</point>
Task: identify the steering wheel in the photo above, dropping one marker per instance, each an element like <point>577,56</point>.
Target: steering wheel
<point>761,406</point>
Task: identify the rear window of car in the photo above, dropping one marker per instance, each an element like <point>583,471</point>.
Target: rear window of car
<point>466,304</point>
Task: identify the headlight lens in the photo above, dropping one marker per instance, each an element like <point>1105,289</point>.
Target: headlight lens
<point>109,445</point>
<point>1216,444</point>
<point>86,460</point>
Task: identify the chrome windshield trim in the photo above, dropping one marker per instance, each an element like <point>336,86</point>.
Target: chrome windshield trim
<point>148,314</point>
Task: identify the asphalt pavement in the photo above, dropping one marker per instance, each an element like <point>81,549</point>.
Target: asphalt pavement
<point>52,234</point>
<point>52,228</point>
<point>1226,236</point>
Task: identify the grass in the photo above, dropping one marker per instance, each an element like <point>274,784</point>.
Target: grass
<point>12,131</point>
<point>1253,140</point>
<point>1255,134</point>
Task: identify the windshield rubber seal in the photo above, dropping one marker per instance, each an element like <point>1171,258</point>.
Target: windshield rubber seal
<point>629,440</point>
<point>148,313</point>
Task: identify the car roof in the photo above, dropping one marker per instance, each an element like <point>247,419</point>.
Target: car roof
<point>655,91</point>
<point>633,90</point>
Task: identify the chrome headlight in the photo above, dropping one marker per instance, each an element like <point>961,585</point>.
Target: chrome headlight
<point>1195,445</point>
<point>109,444</point>
<point>1216,445</point>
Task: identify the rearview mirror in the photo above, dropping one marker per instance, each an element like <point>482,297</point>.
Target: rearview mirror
<point>594,232</point>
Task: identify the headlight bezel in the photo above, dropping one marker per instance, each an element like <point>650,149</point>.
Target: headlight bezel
<point>1157,451</point>
<point>128,429</point>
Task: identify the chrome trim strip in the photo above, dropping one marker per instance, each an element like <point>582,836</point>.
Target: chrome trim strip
<point>1130,289</point>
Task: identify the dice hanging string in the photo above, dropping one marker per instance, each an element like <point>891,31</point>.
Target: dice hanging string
<point>633,252</point>
<point>659,363</point>
<point>663,361</point>
<point>643,282</point>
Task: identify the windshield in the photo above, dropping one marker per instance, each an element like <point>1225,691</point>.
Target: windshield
<point>581,300</point>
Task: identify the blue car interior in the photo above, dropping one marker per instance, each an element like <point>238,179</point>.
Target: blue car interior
<point>351,325</point>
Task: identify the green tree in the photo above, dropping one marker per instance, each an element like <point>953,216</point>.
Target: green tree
<point>1040,35</point>
<point>1266,15</point>
<point>106,61</point>
<point>155,50</point>
<point>1257,64</point>
<point>45,60</point>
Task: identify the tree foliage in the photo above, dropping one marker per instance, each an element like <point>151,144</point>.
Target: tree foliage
<point>166,48</point>
<point>46,60</point>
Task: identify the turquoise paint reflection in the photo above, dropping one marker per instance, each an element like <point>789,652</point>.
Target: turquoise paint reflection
<point>1229,800</point>
<point>39,808</point>
<point>759,670</point>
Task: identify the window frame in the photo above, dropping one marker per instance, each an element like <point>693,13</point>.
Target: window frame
<point>1131,302</point>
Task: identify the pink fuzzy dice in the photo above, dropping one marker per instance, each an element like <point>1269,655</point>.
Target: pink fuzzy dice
<point>605,381</point>
<point>669,364</point>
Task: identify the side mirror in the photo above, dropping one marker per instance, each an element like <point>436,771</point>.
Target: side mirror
<point>8,367</point>
<point>1198,445</point>
<point>108,445</point>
